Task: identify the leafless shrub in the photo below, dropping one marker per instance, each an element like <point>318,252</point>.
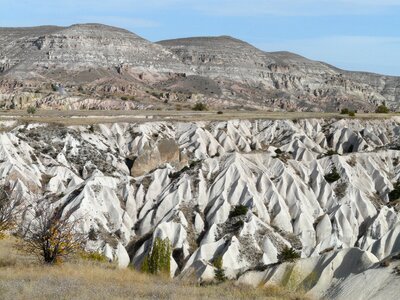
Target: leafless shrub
<point>50,235</point>
<point>352,161</point>
<point>8,211</point>
<point>385,263</point>
<point>341,189</point>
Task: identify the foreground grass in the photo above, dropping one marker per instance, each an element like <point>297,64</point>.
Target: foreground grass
<point>22,277</point>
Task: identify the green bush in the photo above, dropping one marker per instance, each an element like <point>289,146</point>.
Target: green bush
<point>344,111</point>
<point>382,109</point>
<point>219,272</point>
<point>124,98</point>
<point>288,254</point>
<point>395,194</point>
<point>238,210</point>
<point>158,261</point>
<point>199,107</point>
<point>31,110</point>
<point>332,176</point>
<point>331,152</point>
<point>93,256</point>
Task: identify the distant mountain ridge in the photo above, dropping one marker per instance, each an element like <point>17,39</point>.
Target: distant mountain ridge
<point>105,67</point>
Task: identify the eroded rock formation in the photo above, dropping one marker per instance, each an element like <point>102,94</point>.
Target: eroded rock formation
<point>188,177</point>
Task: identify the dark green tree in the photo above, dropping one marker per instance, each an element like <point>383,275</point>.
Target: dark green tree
<point>382,109</point>
<point>219,272</point>
<point>158,261</point>
<point>288,254</point>
<point>332,176</point>
<point>200,107</point>
<point>395,194</point>
<point>238,210</point>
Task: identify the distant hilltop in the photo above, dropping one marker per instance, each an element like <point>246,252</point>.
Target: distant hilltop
<point>102,67</point>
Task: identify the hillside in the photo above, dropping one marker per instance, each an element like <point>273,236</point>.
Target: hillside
<point>94,66</point>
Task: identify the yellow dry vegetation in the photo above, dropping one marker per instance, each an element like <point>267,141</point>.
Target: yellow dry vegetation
<point>90,117</point>
<point>23,277</point>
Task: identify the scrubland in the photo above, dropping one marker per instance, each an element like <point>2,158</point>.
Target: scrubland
<point>23,277</point>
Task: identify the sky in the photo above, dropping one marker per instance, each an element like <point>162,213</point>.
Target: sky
<point>359,35</point>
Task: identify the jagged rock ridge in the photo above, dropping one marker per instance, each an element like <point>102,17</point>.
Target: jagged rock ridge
<point>208,169</point>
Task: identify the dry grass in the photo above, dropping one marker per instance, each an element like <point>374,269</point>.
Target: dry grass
<point>21,277</point>
<point>88,117</point>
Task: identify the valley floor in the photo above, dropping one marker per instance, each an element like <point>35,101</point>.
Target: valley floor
<point>23,277</point>
<point>87,117</point>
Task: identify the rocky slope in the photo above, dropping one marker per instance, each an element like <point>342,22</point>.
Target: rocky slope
<point>103,67</point>
<point>282,79</point>
<point>56,66</point>
<point>132,183</point>
<point>80,47</point>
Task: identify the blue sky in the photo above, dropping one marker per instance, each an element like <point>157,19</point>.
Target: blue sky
<point>350,34</point>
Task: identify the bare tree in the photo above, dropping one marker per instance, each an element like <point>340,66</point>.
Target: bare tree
<point>50,235</point>
<point>8,211</point>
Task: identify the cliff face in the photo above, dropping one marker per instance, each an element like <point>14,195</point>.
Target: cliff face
<point>56,66</point>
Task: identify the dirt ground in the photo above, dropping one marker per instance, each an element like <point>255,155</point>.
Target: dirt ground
<point>86,117</point>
